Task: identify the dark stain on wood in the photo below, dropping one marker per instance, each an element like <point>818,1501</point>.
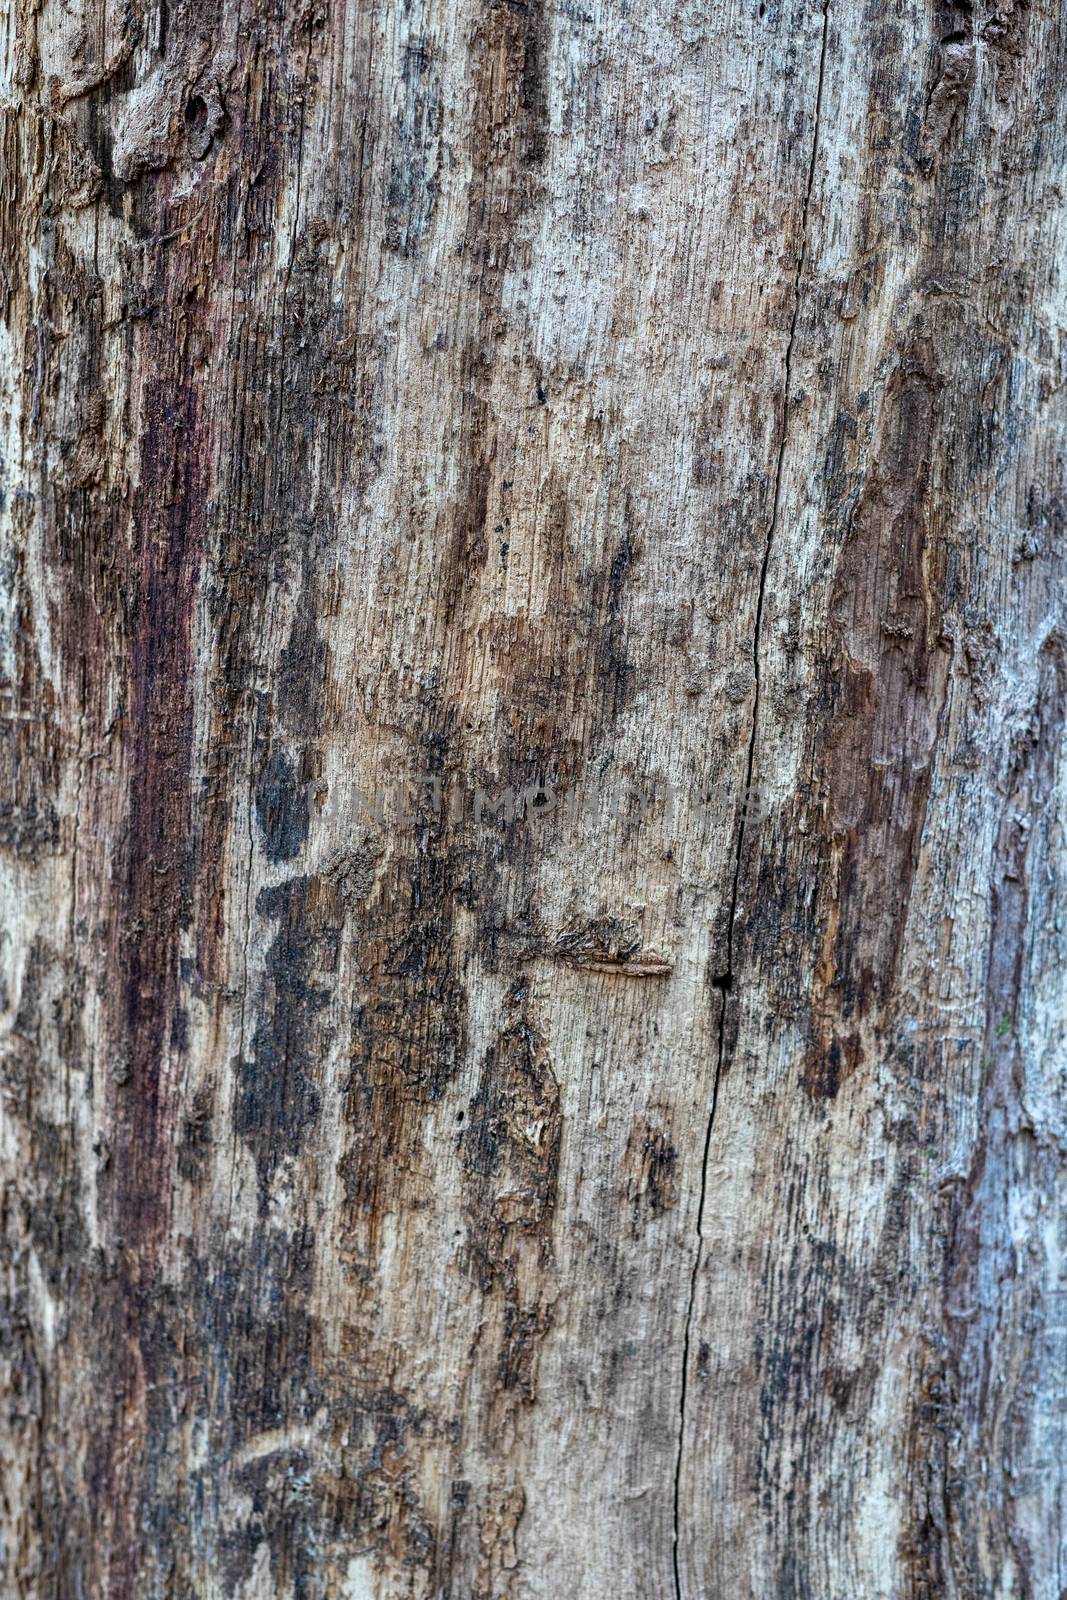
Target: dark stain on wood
<point>650,1163</point>
<point>278,1090</point>
<point>886,682</point>
<point>510,1152</point>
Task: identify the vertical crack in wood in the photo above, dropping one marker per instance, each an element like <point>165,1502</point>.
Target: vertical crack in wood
<point>724,982</point>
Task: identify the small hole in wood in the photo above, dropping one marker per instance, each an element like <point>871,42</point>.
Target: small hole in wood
<point>196,114</point>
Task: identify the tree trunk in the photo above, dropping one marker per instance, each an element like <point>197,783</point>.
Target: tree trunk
<point>531,815</point>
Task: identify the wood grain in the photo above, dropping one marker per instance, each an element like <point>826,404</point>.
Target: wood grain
<point>532,1005</point>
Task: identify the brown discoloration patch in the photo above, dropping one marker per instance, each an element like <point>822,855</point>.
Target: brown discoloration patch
<point>510,1150</point>
<point>154,900</point>
<point>408,1032</point>
<point>829,1065</point>
<point>155,889</point>
<point>497,1532</point>
<point>508,49</point>
<point>923,1544</point>
<point>506,150</point>
<point>886,682</point>
<point>469,544</point>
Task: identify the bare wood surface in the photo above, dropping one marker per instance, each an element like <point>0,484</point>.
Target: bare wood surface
<point>531,805</point>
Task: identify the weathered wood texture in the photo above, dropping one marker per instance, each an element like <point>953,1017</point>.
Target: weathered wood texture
<point>659,1195</point>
